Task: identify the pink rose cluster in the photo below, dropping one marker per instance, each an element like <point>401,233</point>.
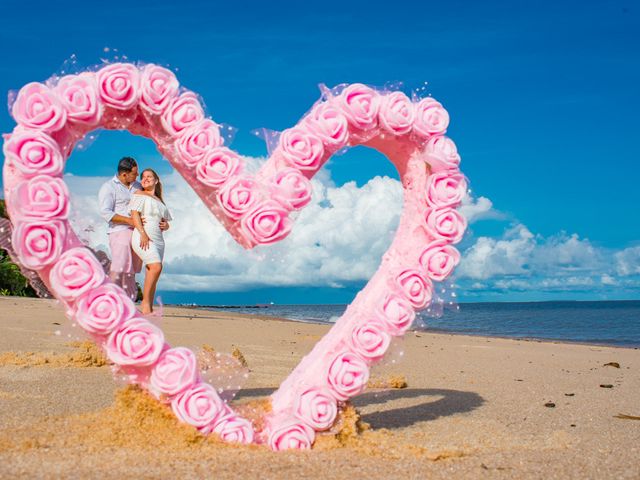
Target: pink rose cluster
<point>316,407</point>
<point>138,346</point>
<point>145,95</point>
<point>445,191</point>
<point>261,212</point>
<point>200,405</point>
<point>362,113</point>
<point>346,373</point>
<point>355,115</point>
<point>358,113</point>
<point>50,118</point>
<point>81,100</point>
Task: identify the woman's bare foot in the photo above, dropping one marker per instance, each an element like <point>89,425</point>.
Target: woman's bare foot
<point>146,309</point>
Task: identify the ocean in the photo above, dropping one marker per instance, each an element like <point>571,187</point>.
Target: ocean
<point>614,323</point>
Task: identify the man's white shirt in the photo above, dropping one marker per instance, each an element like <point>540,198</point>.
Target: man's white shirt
<point>114,198</point>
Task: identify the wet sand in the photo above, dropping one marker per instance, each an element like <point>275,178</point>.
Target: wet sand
<point>473,407</point>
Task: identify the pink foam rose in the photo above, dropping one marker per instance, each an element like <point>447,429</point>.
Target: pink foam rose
<point>234,429</point>
<point>119,85</point>
<point>199,406</point>
<point>293,188</point>
<point>237,196</point>
<point>218,166</point>
<point>431,118</point>
<point>197,141</point>
<point>184,111</point>
<point>42,197</point>
<point>79,95</point>
<point>33,152</point>
<point>415,287</point>
<point>292,435</point>
<point>397,313</point>
<point>176,370</point>
<point>446,189</point>
<point>100,310</point>
<point>301,149</point>
<point>442,155</point>
<point>77,272</point>
<point>317,408</point>
<point>267,223</point>
<point>446,224</point>
<point>38,244</point>
<point>328,123</point>
<point>37,106</point>
<point>158,87</point>
<point>370,340</point>
<point>136,342</point>
<point>396,113</point>
<point>439,259</point>
<point>360,104</point>
<point>348,375</point>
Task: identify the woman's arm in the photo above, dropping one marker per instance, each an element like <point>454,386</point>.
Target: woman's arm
<point>137,223</point>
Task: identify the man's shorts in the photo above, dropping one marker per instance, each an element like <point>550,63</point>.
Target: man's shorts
<point>123,260</point>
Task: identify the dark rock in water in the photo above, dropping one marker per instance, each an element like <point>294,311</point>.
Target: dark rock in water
<point>550,405</point>
<point>606,385</point>
<point>612,364</point>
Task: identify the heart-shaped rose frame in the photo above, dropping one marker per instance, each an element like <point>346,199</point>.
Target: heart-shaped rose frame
<point>148,100</point>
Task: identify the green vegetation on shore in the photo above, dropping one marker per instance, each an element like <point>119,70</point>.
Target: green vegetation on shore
<point>12,282</point>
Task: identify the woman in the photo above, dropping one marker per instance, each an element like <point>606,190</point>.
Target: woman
<point>147,240</point>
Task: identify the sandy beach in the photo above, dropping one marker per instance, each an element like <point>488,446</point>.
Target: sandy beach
<point>473,407</point>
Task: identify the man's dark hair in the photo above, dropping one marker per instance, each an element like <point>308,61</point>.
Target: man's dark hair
<point>126,164</point>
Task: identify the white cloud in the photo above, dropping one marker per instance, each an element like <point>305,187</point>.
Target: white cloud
<point>480,208</point>
<point>341,236</point>
<point>520,260</point>
<point>628,261</point>
<point>566,253</point>
<point>489,257</point>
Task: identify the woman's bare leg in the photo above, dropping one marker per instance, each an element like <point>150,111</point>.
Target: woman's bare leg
<point>149,289</point>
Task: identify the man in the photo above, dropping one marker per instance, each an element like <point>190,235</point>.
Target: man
<point>114,198</point>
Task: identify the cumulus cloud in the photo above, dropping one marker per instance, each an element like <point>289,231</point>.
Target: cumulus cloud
<point>520,261</point>
<point>628,261</point>
<point>341,236</point>
<point>480,208</point>
<point>489,257</point>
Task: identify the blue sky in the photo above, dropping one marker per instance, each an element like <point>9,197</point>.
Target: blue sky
<point>543,98</point>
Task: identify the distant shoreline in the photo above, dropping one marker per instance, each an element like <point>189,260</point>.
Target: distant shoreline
<point>260,305</point>
<point>555,322</point>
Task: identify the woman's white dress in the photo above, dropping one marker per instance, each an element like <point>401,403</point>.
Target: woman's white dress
<point>153,210</point>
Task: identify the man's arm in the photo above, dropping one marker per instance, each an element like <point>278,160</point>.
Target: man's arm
<point>107,203</point>
<point>122,220</point>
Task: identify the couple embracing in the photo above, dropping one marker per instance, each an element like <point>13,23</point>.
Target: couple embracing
<point>137,218</point>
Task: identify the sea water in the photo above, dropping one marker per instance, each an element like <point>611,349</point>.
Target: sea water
<point>603,322</point>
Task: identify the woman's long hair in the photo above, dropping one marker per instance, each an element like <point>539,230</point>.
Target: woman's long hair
<point>158,190</point>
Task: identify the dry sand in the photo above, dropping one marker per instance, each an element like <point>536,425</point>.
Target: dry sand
<point>473,407</point>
